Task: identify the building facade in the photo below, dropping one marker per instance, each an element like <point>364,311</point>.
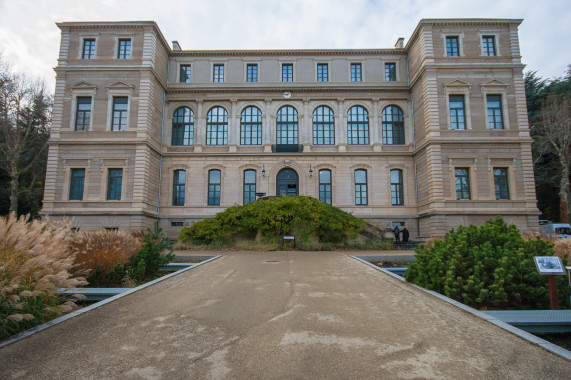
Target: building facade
<point>429,135</point>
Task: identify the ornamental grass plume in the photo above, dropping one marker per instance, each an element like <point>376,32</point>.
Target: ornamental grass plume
<point>562,249</point>
<point>99,252</point>
<point>35,263</point>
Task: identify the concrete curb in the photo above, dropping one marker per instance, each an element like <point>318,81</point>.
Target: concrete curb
<point>53,322</point>
<point>553,348</point>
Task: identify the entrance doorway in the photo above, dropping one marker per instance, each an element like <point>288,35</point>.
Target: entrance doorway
<point>287,182</point>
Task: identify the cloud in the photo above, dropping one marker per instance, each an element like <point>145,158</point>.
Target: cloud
<point>29,38</point>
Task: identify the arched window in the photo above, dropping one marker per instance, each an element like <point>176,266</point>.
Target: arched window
<point>251,126</point>
<point>361,187</point>
<point>178,187</point>
<point>393,125</point>
<point>183,127</point>
<point>287,132</point>
<point>249,186</point>
<point>217,127</point>
<point>325,186</point>
<point>397,193</point>
<point>214,187</point>
<point>323,126</point>
<point>358,126</point>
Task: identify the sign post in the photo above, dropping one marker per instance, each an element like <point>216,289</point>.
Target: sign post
<point>551,266</point>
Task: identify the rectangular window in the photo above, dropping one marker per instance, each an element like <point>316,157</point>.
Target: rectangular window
<point>218,73</point>
<point>495,116</point>
<point>177,224</point>
<point>501,184</point>
<point>356,75</point>
<point>390,72</point>
<point>119,116</point>
<point>452,46</point>
<point>397,188</point>
<point>361,187</point>
<point>251,72</point>
<point>83,113</point>
<point>322,72</point>
<point>462,183</point>
<point>287,72</point>
<point>325,186</point>
<point>77,180</point>
<point>178,189</point>
<point>184,74</point>
<point>457,112</point>
<point>249,186</point>
<point>489,46</point>
<point>88,48</point>
<point>114,184</point>
<point>124,51</point>
<point>214,188</point>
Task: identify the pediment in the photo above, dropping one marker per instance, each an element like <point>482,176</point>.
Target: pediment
<point>84,85</point>
<point>121,85</point>
<point>494,83</point>
<point>458,83</point>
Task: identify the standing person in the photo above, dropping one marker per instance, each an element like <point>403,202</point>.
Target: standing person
<point>405,236</point>
<point>397,233</point>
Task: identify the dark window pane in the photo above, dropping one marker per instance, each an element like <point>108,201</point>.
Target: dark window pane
<point>214,188</point>
<point>462,183</point>
<point>287,72</point>
<point>183,127</point>
<point>119,117</point>
<point>495,116</point>
<point>358,126</point>
<point>393,125</point>
<point>325,186</point>
<point>184,74</point>
<point>287,126</point>
<point>217,127</point>
<point>361,187</point>
<point>489,45</point>
<point>124,49</point>
<point>88,48</point>
<point>322,72</point>
<point>251,126</point>
<point>457,118</point>
<point>83,113</point>
<point>390,72</point>
<point>397,188</point>
<point>251,73</point>
<point>452,46</point>
<point>114,184</point>
<point>323,126</point>
<point>356,72</point>
<point>77,179</point>
<point>249,186</point>
<point>218,73</point>
<point>501,184</point>
<point>179,183</point>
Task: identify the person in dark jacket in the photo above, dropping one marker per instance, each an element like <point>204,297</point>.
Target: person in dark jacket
<point>405,236</point>
<point>397,233</point>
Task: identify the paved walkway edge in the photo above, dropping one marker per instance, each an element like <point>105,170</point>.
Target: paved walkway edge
<point>53,322</point>
<point>514,330</point>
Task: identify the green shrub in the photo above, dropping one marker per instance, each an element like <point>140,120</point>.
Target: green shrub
<point>307,218</point>
<point>488,266</point>
<point>153,253</point>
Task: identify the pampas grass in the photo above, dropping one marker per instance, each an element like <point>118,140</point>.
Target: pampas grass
<point>35,263</point>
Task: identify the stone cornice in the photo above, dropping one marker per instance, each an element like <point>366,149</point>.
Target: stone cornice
<point>287,53</point>
<point>272,89</point>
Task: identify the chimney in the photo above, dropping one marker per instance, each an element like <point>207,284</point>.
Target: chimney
<point>176,46</point>
<point>400,43</point>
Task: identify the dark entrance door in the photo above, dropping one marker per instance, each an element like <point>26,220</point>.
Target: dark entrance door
<point>287,182</point>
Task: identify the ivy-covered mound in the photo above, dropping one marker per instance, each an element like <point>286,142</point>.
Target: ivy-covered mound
<point>269,219</point>
<point>488,266</point>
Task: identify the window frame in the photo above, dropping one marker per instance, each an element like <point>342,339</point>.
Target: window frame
<point>500,109</point>
<point>397,188</point>
<point>218,72</point>
<point>93,51</point>
<point>182,71</point>
<point>290,133</point>
<point>397,127</point>
<point>110,191</point>
<point>220,140</point>
<point>128,52</point>
<point>486,47</point>
<point>86,127</point>
<point>507,182</point>
<point>249,134</point>
<point>321,126</point>
<point>325,189</point>
<point>358,74</point>
<point>450,53</point>
<point>388,77</point>
<point>80,192</point>
<point>354,127</point>
<point>464,186</point>
<point>247,191</point>
<point>322,71</point>
<point>450,113</point>
<point>214,188</point>
<point>250,77</point>
<point>185,141</point>
<point>292,66</point>
<point>178,188</point>
<point>361,192</point>
<point>126,111</point>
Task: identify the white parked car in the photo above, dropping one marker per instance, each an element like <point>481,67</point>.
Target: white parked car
<point>560,230</point>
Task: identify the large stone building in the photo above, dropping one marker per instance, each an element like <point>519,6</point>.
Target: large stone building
<point>431,134</point>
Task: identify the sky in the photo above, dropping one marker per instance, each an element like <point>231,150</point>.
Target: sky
<point>29,38</point>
